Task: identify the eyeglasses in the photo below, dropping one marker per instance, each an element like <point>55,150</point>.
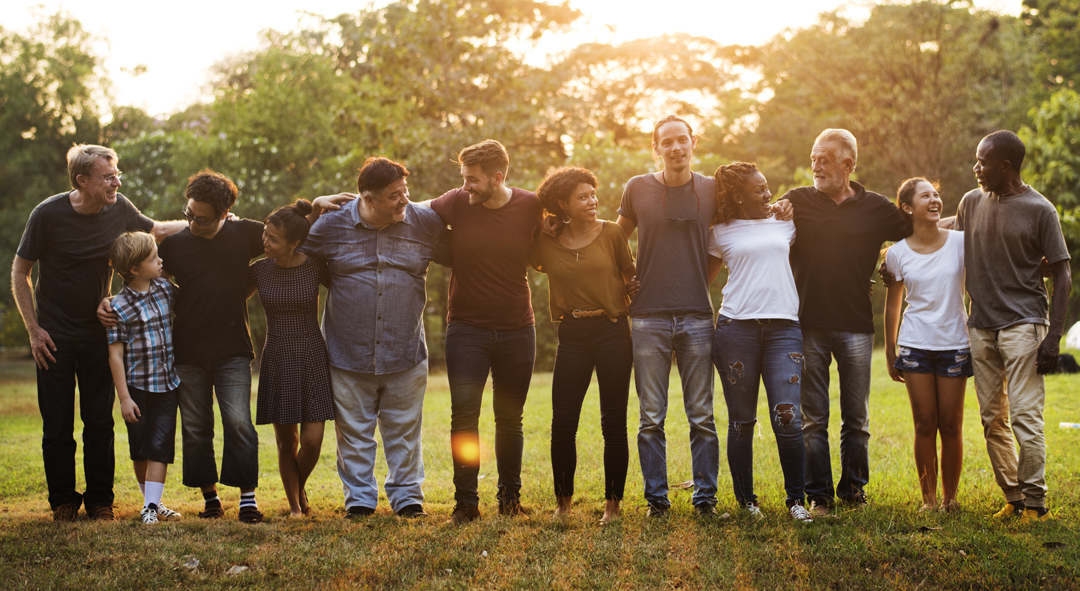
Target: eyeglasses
<point>681,216</point>
<point>191,218</point>
<point>110,178</point>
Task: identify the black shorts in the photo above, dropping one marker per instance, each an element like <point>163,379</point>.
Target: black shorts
<point>153,437</point>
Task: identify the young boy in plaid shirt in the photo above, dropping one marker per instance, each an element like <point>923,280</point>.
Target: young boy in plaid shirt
<point>141,359</point>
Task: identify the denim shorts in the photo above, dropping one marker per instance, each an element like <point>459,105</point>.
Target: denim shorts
<point>153,437</point>
<point>955,363</point>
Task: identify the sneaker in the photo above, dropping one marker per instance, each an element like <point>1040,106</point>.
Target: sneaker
<point>412,512</point>
<point>819,508</point>
<point>250,514</point>
<point>753,510</point>
<point>149,516</point>
<point>357,512</point>
<point>66,512</point>
<point>800,514</point>
<point>102,513</point>
<point>464,513</point>
<point>859,501</point>
<point>1011,509</point>
<point>657,511</point>
<point>705,510</point>
<point>164,513</point>
<point>513,508</point>
<point>1035,514</point>
<point>212,512</point>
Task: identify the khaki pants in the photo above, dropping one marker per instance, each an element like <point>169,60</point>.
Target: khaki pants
<point>1011,392</point>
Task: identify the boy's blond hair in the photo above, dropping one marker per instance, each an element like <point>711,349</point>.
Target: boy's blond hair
<point>129,250</point>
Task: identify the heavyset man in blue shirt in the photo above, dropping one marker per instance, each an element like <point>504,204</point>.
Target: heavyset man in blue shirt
<point>378,248</point>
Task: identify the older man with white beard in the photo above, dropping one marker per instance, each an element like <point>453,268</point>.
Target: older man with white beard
<point>840,227</point>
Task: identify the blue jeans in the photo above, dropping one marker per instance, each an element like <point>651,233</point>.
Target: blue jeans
<point>87,363</point>
<point>230,380</point>
<point>395,402</point>
<point>689,337</point>
<point>745,353</point>
<point>852,351</point>
<point>471,353</point>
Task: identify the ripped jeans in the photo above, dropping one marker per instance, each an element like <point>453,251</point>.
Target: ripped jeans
<point>746,352</point>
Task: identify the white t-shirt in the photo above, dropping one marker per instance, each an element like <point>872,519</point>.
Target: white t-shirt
<point>760,284</point>
<point>935,319</point>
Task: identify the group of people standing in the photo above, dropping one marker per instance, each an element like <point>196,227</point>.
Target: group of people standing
<point>797,297</point>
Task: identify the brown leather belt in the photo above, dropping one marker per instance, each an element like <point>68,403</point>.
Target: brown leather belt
<point>589,314</point>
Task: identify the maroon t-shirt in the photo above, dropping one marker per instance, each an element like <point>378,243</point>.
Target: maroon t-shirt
<point>489,285</point>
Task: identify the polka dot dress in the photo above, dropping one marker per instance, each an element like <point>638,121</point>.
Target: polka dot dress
<point>294,375</point>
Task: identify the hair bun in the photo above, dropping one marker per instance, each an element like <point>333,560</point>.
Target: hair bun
<point>302,207</point>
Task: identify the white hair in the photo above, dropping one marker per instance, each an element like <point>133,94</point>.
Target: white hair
<point>843,140</point>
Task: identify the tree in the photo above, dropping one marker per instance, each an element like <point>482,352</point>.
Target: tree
<point>1056,27</point>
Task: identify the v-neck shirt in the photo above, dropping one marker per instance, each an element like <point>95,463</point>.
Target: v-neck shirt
<point>586,278</point>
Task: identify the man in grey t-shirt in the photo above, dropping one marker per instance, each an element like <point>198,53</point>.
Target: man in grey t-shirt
<point>1009,228</point>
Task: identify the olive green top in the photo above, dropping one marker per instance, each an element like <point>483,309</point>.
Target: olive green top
<point>586,278</point>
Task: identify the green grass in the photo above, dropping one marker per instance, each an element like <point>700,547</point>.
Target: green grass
<point>888,545</point>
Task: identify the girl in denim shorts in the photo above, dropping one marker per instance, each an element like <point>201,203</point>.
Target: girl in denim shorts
<point>934,358</point>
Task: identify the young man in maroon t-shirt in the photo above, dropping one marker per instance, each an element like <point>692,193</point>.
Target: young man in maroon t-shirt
<point>490,326</point>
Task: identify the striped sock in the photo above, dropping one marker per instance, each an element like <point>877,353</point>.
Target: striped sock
<point>211,499</point>
<point>248,500</point>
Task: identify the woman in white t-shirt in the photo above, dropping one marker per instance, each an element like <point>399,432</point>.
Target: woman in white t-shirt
<point>934,359</point>
<point>757,332</point>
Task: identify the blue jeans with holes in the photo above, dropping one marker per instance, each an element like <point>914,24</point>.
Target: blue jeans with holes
<point>689,338</point>
<point>471,353</point>
<point>747,352</point>
<point>852,351</point>
<point>229,380</point>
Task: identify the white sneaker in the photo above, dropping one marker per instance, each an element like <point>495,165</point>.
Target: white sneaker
<point>754,511</point>
<point>149,516</point>
<point>164,513</point>
<point>800,514</point>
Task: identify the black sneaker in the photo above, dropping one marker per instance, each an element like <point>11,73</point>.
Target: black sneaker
<point>463,513</point>
<point>513,508</point>
<point>705,510</point>
<point>657,511</point>
<point>358,512</point>
<point>859,501</point>
<point>412,512</point>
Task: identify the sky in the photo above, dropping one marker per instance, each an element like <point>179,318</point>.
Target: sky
<point>178,42</point>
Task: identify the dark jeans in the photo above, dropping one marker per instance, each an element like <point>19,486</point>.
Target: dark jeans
<point>585,344</point>
<point>471,353</point>
<point>153,436</point>
<point>747,352</point>
<point>88,362</point>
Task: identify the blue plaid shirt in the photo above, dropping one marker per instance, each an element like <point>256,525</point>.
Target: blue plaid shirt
<point>144,325</point>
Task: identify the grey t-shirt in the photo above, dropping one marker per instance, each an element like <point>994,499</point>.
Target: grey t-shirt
<point>1005,241</point>
<point>673,235</point>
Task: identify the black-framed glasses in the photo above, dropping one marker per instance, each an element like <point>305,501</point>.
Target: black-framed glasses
<point>192,218</point>
<point>681,216</point>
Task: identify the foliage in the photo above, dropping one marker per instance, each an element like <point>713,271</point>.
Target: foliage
<point>1055,25</point>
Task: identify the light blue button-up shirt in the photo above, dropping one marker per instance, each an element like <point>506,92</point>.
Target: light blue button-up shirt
<point>374,317</point>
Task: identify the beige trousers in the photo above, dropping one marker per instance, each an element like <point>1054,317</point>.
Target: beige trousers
<point>1012,393</point>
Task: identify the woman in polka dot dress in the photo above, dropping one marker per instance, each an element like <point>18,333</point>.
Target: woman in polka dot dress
<point>294,375</point>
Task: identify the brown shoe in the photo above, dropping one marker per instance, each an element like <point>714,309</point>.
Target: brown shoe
<point>463,513</point>
<point>214,512</point>
<point>250,514</point>
<point>102,513</point>
<point>66,512</point>
<point>513,508</point>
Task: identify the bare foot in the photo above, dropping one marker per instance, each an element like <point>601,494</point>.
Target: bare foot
<point>295,515</point>
<point>304,507</point>
<point>927,506</point>
<point>611,512</point>
<point>563,506</point>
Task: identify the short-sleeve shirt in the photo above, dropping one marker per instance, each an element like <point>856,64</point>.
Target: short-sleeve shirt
<point>760,284</point>
<point>586,278</point>
<point>935,319</point>
<point>673,234</point>
<point>489,286</point>
<point>211,308</point>
<point>72,253</point>
<point>1005,241</point>
<point>374,317</point>
<point>144,325</point>
<point>836,253</point>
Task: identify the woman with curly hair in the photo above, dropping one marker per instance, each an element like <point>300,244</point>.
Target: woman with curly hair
<point>757,333</point>
<point>588,264</point>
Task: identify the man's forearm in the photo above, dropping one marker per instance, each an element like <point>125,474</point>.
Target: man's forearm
<point>24,299</point>
<point>1062,290</point>
<point>163,230</point>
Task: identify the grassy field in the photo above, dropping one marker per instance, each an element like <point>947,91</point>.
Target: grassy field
<point>888,545</point>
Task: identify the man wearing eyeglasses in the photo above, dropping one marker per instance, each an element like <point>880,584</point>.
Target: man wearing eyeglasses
<point>68,236</point>
<point>672,210</point>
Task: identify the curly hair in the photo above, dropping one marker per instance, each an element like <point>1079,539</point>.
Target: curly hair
<point>212,188</point>
<point>559,184</point>
<point>730,182</point>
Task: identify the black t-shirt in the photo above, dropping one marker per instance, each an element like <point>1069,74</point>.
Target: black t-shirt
<point>835,254</point>
<point>211,308</point>
<point>72,253</point>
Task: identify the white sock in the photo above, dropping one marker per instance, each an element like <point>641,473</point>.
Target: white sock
<point>154,490</point>
<point>142,488</point>
<point>248,500</point>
